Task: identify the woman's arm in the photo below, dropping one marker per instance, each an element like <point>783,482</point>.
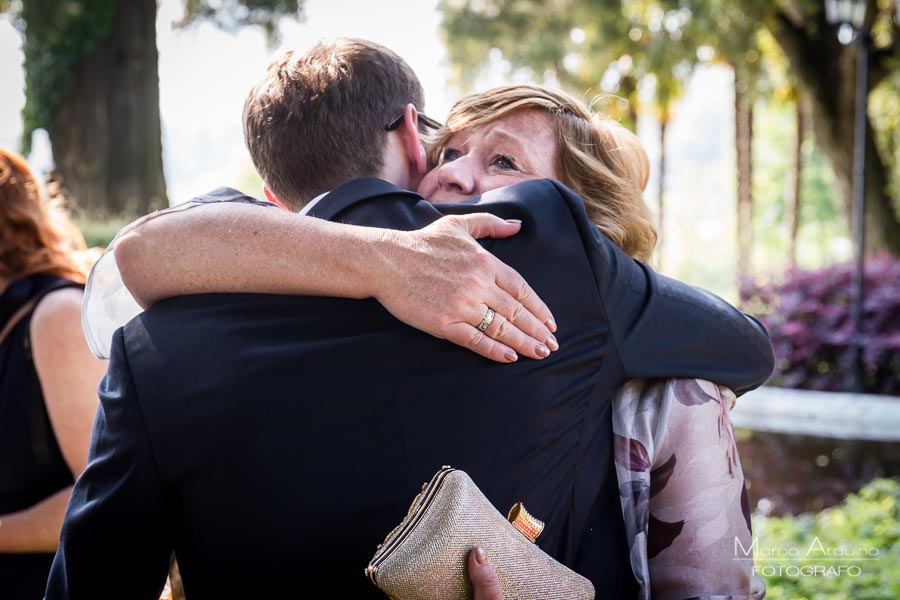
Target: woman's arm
<point>437,279</point>
<point>69,377</point>
<point>35,529</point>
<point>699,513</point>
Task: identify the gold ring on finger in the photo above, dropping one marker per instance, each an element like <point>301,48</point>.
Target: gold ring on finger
<point>487,320</point>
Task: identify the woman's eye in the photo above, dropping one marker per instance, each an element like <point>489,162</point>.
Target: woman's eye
<point>504,162</point>
<point>450,154</point>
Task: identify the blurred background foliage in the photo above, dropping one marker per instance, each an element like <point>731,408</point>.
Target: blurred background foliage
<point>808,315</point>
<point>865,527</point>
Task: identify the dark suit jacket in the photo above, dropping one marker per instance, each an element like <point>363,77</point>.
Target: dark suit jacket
<point>274,441</point>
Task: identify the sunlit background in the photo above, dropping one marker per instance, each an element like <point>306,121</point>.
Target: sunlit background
<point>205,73</point>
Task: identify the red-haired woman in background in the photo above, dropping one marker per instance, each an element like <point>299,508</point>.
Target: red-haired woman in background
<point>48,377</point>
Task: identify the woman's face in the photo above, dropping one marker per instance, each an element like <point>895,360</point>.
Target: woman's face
<point>515,148</point>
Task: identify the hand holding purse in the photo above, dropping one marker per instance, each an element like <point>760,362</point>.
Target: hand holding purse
<point>424,558</point>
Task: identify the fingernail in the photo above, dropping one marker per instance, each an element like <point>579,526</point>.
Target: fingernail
<point>552,343</point>
<point>480,556</point>
<point>551,324</point>
<point>511,356</point>
<point>514,221</point>
<point>541,350</point>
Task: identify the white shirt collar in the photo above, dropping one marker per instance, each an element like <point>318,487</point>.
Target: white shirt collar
<point>305,210</point>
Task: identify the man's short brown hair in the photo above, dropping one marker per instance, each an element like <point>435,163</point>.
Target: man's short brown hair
<point>317,119</point>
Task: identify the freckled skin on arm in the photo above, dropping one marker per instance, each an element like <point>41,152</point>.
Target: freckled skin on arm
<point>437,279</point>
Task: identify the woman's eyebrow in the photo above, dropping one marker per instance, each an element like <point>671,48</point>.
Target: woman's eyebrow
<point>507,138</point>
<point>458,140</point>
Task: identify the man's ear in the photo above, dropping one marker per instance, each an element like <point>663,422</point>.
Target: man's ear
<point>271,198</point>
<point>412,143</point>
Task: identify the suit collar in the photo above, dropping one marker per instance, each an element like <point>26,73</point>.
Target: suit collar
<point>352,192</point>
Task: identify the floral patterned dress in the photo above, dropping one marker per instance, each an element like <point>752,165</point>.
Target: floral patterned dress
<point>687,516</point>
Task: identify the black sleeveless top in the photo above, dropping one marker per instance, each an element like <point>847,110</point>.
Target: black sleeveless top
<point>32,466</point>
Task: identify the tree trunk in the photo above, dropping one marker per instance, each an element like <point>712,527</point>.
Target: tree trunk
<point>793,208</point>
<point>107,146</point>
<point>628,89</point>
<point>827,73</point>
<point>663,123</point>
<point>743,137</point>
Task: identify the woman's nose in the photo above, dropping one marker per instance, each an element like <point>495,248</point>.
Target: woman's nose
<point>458,176</point>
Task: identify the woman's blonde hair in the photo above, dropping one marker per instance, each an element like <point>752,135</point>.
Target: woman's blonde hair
<point>599,159</point>
<point>36,234</point>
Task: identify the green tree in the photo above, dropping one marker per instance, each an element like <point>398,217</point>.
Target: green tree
<point>826,71</point>
<point>722,26</point>
<point>616,47</point>
<point>587,47</point>
<point>822,71</point>
<point>91,80</point>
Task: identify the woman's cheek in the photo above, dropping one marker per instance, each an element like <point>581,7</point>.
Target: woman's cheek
<point>429,185</point>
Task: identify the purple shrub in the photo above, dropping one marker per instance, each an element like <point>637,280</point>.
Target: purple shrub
<point>809,316</point>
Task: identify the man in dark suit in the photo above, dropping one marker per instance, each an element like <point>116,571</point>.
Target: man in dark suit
<point>273,441</point>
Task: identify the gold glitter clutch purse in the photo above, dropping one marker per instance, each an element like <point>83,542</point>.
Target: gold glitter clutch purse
<point>424,558</point>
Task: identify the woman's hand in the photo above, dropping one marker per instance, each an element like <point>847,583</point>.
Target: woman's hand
<point>441,281</point>
<point>485,584</point>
